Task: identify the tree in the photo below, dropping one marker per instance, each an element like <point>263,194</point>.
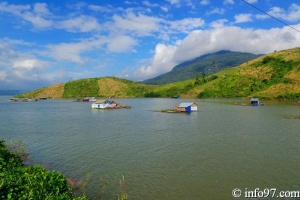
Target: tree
<point>203,77</point>
<point>214,63</point>
<point>197,78</point>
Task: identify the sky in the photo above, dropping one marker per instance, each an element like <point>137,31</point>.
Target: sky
<point>48,42</point>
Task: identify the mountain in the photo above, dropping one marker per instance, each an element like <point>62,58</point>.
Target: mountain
<point>209,64</point>
<point>272,76</point>
<point>11,92</point>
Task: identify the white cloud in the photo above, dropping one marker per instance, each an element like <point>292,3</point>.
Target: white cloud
<point>186,25</point>
<point>226,2</point>
<point>219,11</point>
<point>37,21</point>
<point>105,9</point>
<point>201,42</point>
<point>292,15</point>
<point>28,64</point>
<point>150,4</point>
<point>35,17</point>
<point>204,2</point>
<point>218,23</point>
<point>174,1</point>
<point>161,63</point>
<point>164,8</point>
<point>41,9</point>
<point>72,51</point>
<point>121,44</point>
<point>139,24</point>
<point>14,9</point>
<point>241,18</point>
<point>80,24</point>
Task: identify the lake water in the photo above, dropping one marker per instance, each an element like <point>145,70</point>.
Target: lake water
<point>202,155</point>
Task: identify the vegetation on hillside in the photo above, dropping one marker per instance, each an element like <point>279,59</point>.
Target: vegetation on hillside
<point>273,76</point>
<point>269,71</point>
<point>208,64</point>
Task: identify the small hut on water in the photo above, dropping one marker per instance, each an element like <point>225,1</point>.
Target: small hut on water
<point>186,107</point>
<point>254,101</point>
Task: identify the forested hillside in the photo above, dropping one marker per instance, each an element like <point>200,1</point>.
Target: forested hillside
<point>208,64</point>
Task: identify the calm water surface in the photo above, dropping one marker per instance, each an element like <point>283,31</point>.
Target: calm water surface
<point>203,155</point>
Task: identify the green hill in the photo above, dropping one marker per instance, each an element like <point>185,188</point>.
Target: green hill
<point>92,87</point>
<point>209,64</point>
<point>272,76</point>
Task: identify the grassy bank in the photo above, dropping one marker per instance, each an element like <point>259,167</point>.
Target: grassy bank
<point>18,181</point>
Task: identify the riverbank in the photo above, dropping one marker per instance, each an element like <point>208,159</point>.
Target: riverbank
<point>30,182</point>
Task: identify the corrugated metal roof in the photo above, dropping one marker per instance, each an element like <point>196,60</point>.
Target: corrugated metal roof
<point>184,105</point>
<point>254,99</point>
<point>100,101</point>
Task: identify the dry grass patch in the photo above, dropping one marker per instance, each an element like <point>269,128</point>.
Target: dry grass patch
<point>280,89</point>
<point>111,87</point>
<point>54,91</point>
<point>262,72</point>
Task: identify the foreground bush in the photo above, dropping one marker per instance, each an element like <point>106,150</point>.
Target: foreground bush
<point>18,181</point>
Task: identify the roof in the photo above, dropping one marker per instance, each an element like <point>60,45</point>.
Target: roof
<point>184,105</point>
<point>254,99</point>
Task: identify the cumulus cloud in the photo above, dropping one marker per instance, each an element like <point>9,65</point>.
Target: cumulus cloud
<point>139,24</point>
<point>186,25</point>
<point>162,61</point>
<point>27,68</point>
<point>72,51</point>
<point>218,23</point>
<point>41,9</point>
<point>293,14</point>
<point>121,44</point>
<point>201,42</point>
<point>241,18</point>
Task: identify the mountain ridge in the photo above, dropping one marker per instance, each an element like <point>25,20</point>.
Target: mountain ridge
<point>207,63</point>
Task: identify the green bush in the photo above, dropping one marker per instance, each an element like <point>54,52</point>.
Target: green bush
<point>18,181</point>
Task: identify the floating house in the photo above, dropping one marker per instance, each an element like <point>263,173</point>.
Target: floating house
<point>89,99</point>
<point>254,101</point>
<point>186,107</point>
<point>104,104</point>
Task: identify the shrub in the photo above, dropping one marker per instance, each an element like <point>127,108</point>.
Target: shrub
<point>18,181</point>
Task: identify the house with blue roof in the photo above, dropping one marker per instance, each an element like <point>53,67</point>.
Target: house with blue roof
<point>186,107</point>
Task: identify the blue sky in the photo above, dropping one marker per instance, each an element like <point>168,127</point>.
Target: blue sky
<point>48,42</point>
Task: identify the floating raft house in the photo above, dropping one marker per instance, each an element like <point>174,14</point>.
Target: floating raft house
<point>106,104</point>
